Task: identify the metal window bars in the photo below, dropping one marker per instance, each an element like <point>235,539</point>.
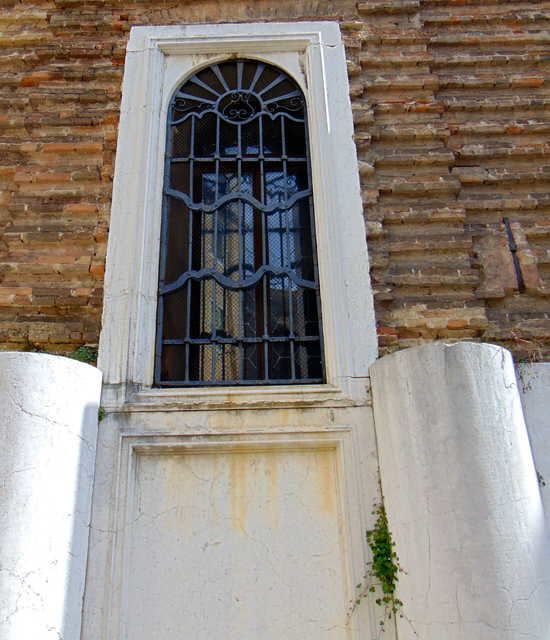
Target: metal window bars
<point>238,285</point>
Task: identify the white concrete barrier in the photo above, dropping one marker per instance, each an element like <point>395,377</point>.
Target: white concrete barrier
<point>534,387</point>
<point>461,495</point>
<point>48,432</point>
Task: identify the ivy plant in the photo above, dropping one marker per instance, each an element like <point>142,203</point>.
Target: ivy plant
<point>385,565</point>
<point>85,354</point>
<point>383,570</point>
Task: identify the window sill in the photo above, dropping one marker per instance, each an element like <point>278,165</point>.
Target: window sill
<point>116,399</point>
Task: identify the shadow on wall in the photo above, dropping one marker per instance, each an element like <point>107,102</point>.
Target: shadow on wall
<point>81,517</point>
<point>534,388</point>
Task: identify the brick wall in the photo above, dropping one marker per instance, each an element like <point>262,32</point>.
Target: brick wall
<point>450,101</point>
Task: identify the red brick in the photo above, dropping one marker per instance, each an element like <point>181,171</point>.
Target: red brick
<point>439,168</point>
<point>457,324</point>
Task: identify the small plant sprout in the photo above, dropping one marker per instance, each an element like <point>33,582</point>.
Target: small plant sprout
<point>85,354</point>
<point>382,571</point>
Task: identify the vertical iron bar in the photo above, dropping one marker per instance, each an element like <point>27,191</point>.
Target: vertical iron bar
<point>287,261</point>
<point>240,210</point>
<point>203,283</point>
<point>190,250</point>
<point>240,66</point>
<point>265,259</point>
<point>215,254</point>
<point>261,216</point>
<point>226,232</point>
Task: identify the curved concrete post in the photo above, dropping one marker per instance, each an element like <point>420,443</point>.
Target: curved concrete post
<point>48,432</point>
<point>461,494</point>
<point>534,387</point>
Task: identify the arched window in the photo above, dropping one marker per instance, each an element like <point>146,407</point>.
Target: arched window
<point>238,288</point>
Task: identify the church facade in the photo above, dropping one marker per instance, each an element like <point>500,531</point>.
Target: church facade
<point>309,242</point>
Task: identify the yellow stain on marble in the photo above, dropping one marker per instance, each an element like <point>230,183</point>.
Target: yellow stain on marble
<point>325,480</point>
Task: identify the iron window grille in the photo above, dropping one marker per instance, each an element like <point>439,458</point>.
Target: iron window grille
<point>238,282</point>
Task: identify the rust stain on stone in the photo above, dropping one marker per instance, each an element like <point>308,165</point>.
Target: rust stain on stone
<point>325,481</point>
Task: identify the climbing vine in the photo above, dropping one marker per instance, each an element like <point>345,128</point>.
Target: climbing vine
<point>385,566</point>
<point>383,570</point>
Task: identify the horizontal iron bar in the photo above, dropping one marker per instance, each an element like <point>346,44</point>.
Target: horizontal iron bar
<point>237,383</point>
<point>237,196</point>
<point>246,158</point>
<point>201,114</point>
<point>244,340</point>
<point>228,283</point>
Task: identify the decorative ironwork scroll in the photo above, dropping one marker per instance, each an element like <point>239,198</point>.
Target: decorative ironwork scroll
<point>238,286</point>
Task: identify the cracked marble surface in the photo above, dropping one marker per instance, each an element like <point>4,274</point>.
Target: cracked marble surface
<point>241,544</point>
<point>47,452</point>
<point>462,495</point>
<point>231,524</point>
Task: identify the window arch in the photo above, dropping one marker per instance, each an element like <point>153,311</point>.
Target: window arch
<point>238,295</point>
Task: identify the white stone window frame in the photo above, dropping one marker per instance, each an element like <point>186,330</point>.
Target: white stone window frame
<point>158,60</point>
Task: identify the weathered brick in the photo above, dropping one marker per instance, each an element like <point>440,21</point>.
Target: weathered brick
<point>72,147</point>
<point>450,105</point>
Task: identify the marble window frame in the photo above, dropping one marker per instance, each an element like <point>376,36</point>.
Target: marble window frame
<point>158,59</point>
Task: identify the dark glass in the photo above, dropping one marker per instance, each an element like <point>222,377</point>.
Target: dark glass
<point>238,286</point>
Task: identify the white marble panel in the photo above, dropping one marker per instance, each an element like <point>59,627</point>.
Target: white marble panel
<point>238,544</point>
